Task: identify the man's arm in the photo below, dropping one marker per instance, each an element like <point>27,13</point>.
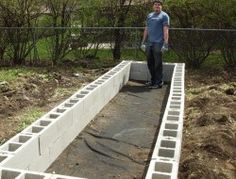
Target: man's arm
<point>145,34</point>
<point>166,34</point>
<point>166,38</point>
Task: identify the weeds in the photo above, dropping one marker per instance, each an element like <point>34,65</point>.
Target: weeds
<point>29,116</point>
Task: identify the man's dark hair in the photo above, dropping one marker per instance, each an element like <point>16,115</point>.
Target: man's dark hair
<point>157,1</point>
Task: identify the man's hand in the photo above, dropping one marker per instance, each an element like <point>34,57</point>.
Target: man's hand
<point>143,46</point>
<point>164,48</point>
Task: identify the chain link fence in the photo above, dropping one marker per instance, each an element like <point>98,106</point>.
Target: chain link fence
<point>56,44</point>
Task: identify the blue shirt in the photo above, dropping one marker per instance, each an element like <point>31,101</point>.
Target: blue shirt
<point>155,24</point>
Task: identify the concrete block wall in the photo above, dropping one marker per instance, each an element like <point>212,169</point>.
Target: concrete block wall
<point>20,148</point>
<point>166,155</point>
<point>37,146</point>
<point>9,173</point>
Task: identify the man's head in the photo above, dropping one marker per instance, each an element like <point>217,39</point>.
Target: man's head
<point>157,5</point>
<point>157,1</point>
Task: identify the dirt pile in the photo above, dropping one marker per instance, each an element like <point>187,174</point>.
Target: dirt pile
<point>209,138</point>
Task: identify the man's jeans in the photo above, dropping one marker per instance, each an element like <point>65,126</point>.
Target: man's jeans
<point>154,62</point>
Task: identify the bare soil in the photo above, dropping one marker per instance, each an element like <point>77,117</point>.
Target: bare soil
<point>209,136</point>
<point>42,91</point>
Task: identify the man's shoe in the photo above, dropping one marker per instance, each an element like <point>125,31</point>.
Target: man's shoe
<point>156,86</point>
<point>161,84</point>
<point>149,83</point>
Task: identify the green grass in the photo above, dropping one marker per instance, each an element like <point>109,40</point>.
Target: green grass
<point>11,74</point>
<point>104,57</point>
<point>213,61</point>
<point>170,57</point>
<point>43,49</point>
<point>29,116</point>
<point>126,54</point>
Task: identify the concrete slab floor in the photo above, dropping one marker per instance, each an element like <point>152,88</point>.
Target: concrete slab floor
<point>118,142</point>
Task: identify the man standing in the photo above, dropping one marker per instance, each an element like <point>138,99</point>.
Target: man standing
<point>155,40</point>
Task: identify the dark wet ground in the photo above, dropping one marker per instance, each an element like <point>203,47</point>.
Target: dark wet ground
<point>119,141</point>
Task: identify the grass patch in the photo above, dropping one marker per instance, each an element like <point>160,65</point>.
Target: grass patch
<point>43,49</point>
<point>61,92</point>
<point>214,61</point>
<point>29,116</point>
<point>170,57</point>
<point>11,74</point>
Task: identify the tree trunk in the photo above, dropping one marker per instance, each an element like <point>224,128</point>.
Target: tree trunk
<point>117,46</point>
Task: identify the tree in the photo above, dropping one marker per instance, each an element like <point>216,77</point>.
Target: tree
<point>118,14</point>
<point>3,42</point>
<point>19,16</point>
<point>222,15</point>
<point>192,46</point>
<point>60,17</point>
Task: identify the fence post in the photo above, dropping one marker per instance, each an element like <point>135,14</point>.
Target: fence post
<point>136,44</point>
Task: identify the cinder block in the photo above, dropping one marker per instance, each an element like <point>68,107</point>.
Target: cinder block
<point>93,103</point>
<point>79,120</point>
<point>107,86</point>
<point>162,169</point>
<point>170,133</point>
<point>171,126</point>
<point>174,113</point>
<point>64,177</point>
<point>4,158</point>
<point>23,148</point>
<point>166,153</point>
<point>33,176</point>
<point>139,71</point>
<point>160,176</point>
<point>10,147</point>
<point>8,174</point>
<point>120,79</point>
<point>168,71</point>
<point>168,144</point>
<point>21,161</point>
<point>172,118</point>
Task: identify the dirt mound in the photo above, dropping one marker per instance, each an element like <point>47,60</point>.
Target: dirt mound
<point>213,118</point>
<point>209,138</point>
